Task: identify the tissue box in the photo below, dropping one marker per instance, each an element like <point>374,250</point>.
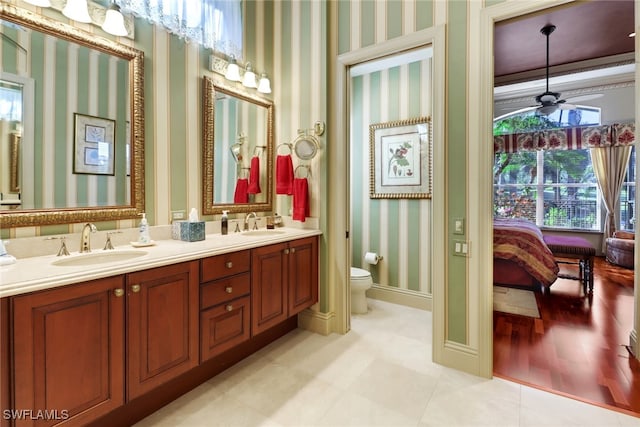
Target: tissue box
<point>188,231</point>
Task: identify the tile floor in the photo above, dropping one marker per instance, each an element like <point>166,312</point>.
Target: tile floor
<point>379,374</point>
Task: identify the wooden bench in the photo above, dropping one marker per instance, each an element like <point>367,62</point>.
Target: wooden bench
<point>574,248</point>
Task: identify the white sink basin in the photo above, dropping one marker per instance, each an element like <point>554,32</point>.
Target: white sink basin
<point>262,232</point>
<point>97,258</point>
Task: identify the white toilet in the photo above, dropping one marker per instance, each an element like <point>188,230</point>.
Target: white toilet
<point>360,282</point>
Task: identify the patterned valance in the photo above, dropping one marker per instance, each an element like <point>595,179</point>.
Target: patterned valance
<point>616,134</point>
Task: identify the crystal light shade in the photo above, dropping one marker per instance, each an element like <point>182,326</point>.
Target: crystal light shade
<point>77,10</point>
<point>41,3</point>
<point>265,85</point>
<point>233,71</point>
<point>114,21</point>
<point>249,79</point>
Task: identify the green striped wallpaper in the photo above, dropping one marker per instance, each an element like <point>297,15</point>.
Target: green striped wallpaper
<point>399,230</point>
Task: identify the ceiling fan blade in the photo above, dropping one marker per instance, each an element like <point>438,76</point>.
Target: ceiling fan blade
<point>582,98</point>
<point>567,106</point>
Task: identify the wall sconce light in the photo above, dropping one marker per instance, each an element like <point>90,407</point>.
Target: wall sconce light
<point>249,79</point>
<point>265,85</point>
<point>41,3</point>
<point>114,21</point>
<point>77,10</point>
<point>233,71</point>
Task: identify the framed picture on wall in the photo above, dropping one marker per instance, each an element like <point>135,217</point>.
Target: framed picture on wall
<point>94,145</point>
<point>400,159</point>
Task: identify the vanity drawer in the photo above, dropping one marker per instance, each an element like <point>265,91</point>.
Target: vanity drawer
<point>224,326</point>
<point>224,290</point>
<point>217,267</point>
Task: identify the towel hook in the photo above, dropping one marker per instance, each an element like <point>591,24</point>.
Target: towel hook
<point>307,168</point>
<point>285,144</point>
<point>243,172</point>
<point>258,150</point>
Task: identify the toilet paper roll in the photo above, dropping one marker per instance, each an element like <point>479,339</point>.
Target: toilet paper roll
<point>372,258</point>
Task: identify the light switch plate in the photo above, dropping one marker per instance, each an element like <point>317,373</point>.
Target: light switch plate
<point>458,226</point>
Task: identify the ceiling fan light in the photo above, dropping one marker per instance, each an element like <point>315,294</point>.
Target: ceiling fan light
<point>114,21</point>
<point>547,109</point>
<point>77,10</point>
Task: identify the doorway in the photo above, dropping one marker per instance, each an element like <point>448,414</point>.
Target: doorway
<point>498,14</point>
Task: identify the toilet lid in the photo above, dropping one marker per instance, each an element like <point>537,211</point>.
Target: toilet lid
<point>358,273</point>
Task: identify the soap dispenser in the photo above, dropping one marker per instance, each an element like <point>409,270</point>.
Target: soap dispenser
<point>144,237</point>
<point>224,223</point>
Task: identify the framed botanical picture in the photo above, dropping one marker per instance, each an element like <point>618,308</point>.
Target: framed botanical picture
<point>94,145</point>
<point>400,159</point>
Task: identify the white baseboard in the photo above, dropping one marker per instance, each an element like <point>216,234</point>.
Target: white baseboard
<point>401,296</point>
<point>314,321</point>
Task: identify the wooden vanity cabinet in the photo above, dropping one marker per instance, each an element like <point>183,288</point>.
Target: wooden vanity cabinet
<point>284,281</point>
<point>162,325</point>
<point>68,352</point>
<point>302,271</point>
<point>225,303</point>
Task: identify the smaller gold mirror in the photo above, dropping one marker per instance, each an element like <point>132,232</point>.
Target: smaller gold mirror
<point>237,169</point>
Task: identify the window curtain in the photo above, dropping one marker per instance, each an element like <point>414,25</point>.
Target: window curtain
<point>215,24</point>
<point>610,165</point>
<point>576,138</point>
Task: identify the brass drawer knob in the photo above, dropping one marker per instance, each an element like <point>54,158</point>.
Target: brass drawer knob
<point>228,289</point>
<point>118,292</point>
<point>286,251</point>
<point>229,307</point>
<point>293,250</point>
<point>135,288</point>
<point>228,264</point>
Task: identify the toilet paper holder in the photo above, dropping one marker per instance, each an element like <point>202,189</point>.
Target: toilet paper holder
<point>372,258</point>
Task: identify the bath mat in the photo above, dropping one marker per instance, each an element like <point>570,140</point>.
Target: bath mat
<point>515,301</point>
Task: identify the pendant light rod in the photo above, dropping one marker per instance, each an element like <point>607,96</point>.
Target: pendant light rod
<point>547,30</point>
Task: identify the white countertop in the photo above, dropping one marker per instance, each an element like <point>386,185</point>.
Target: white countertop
<point>37,273</point>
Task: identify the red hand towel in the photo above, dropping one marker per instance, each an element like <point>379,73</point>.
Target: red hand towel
<point>254,176</point>
<point>300,199</point>
<point>241,195</point>
<point>284,175</point>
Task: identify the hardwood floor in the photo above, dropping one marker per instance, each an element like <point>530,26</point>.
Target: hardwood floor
<point>577,347</point>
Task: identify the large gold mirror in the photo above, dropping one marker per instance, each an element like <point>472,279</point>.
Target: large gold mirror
<point>237,150</point>
<point>75,140</point>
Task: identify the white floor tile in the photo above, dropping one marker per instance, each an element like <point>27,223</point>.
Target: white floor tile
<point>379,374</point>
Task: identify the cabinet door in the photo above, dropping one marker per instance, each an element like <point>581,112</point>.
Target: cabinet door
<point>268,287</point>
<point>162,325</point>
<point>303,274</point>
<point>224,326</point>
<point>69,352</point>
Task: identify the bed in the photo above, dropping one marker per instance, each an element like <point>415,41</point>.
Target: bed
<point>520,255</point>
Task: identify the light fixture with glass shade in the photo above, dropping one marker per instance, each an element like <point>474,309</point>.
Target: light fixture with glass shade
<point>41,3</point>
<point>233,71</point>
<point>77,10</point>
<point>264,85</point>
<point>114,21</point>
<point>249,79</point>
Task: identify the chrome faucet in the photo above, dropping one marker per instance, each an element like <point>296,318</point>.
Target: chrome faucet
<point>246,220</point>
<point>85,239</point>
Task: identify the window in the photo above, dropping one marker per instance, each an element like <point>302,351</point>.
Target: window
<point>553,188</point>
<point>215,24</point>
<point>628,196</point>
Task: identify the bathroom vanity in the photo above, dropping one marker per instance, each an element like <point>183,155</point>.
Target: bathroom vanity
<point>111,342</point>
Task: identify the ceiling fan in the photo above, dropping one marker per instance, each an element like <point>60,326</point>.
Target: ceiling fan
<point>549,102</point>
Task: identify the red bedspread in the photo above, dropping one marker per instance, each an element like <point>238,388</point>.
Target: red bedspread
<point>520,240</point>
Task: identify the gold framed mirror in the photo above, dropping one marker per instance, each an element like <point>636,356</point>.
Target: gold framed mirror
<point>237,129</point>
<point>51,190</point>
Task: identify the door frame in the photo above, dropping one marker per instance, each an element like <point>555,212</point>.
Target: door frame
<point>481,156</point>
<point>338,172</point>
